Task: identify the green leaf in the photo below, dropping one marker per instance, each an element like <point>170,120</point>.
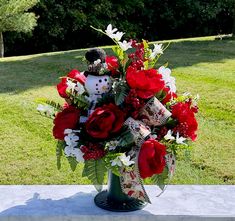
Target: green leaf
<point>80,101</point>
<point>59,152</point>
<point>126,139</point>
<point>161,179</point>
<point>118,52</point>
<point>72,162</point>
<point>95,171</point>
<point>51,103</point>
<point>121,91</point>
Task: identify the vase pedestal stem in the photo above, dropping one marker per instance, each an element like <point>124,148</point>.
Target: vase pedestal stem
<point>114,199</point>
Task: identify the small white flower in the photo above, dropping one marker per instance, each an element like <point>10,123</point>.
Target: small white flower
<point>110,31</point>
<point>124,45</point>
<point>126,160</point>
<point>117,36</point>
<point>79,88</point>
<point>45,109</point>
<point>112,145</point>
<point>180,140</point>
<point>157,50</point>
<point>169,81</point>
<point>71,85</point>
<point>96,62</point>
<point>71,139</point>
<point>68,131</point>
<point>116,162</point>
<point>169,136</point>
<point>74,152</point>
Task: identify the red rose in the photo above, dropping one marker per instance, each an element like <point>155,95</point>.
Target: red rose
<point>112,63</point>
<point>75,75</point>
<point>151,158</point>
<point>169,95</point>
<point>61,88</point>
<point>146,82</point>
<point>105,121</point>
<point>67,119</point>
<point>185,115</point>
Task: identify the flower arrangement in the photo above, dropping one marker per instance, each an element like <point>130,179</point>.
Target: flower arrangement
<point>123,115</point>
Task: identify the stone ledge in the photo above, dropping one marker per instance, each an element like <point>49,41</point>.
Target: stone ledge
<point>75,202</point>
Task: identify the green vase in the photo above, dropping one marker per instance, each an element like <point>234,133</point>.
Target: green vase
<point>114,199</point>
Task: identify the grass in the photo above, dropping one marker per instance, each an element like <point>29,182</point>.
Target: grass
<point>200,65</point>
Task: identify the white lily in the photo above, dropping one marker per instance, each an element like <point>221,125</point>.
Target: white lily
<point>168,79</point>
<point>169,136</point>
<point>126,160</point>
<point>110,31</point>
<point>117,36</point>
<point>124,45</point>
<point>180,140</point>
<point>157,50</point>
<point>71,85</point>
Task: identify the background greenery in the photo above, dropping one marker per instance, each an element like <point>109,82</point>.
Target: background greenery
<point>64,25</point>
<point>27,148</point>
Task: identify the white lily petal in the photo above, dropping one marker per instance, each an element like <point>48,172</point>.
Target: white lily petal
<point>124,45</point>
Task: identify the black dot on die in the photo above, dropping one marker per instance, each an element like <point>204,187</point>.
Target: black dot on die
<point>98,92</point>
<point>105,79</point>
<point>100,80</point>
<point>107,83</point>
<point>96,85</point>
<point>97,89</point>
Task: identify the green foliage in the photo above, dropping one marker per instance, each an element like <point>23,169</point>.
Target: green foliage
<point>73,163</point>
<point>80,101</point>
<point>51,103</point>
<point>125,139</point>
<point>161,179</point>
<point>95,171</point>
<point>121,91</point>
<point>14,15</point>
<point>59,153</point>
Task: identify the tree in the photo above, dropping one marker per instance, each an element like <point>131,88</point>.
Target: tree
<point>14,16</point>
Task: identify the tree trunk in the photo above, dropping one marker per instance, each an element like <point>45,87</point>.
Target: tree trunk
<point>1,46</point>
<point>233,30</point>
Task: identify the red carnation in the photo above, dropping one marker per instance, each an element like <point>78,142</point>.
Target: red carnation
<point>146,82</point>
<point>185,115</point>
<point>75,75</point>
<point>112,63</point>
<point>105,121</point>
<point>151,158</point>
<point>67,119</point>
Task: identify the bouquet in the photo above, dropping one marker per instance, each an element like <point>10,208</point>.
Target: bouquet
<point>123,115</point>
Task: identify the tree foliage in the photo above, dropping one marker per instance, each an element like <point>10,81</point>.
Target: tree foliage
<point>64,25</point>
<point>14,17</point>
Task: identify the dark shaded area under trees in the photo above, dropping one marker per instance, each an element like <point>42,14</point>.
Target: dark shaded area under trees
<point>65,25</point>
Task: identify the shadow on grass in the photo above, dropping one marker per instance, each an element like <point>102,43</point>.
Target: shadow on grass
<point>27,72</point>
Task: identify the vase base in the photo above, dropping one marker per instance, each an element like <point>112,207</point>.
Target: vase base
<point>102,201</point>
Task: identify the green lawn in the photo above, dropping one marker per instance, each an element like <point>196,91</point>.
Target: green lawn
<point>27,148</point>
